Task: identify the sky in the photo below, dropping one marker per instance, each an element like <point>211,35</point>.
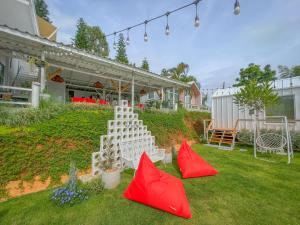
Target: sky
<point>265,32</point>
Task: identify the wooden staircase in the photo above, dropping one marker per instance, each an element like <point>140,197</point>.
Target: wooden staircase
<point>224,138</point>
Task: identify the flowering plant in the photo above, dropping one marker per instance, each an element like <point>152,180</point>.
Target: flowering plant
<point>71,193</point>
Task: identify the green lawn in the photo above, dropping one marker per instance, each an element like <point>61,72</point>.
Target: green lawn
<point>246,191</point>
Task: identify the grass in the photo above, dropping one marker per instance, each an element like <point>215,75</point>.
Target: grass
<point>46,147</point>
<point>246,191</point>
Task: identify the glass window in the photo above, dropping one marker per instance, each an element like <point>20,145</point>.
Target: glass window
<point>284,107</point>
<point>1,73</point>
<point>151,95</point>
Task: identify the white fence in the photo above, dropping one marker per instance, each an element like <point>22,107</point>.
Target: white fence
<point>13,95</point>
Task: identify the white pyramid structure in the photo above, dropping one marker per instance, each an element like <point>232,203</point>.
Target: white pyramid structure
<point>129,138</point>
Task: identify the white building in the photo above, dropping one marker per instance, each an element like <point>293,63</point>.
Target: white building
<point>227,114</point>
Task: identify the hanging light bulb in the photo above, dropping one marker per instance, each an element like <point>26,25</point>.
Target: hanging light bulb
<point>167,30</point>
<point>145,34</point>
<point>127,39</point>
<point>115,45</point>
<point>237,8</point>
<point>197,21</point>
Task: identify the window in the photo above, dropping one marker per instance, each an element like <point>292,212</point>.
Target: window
<point>151,95</point>
<point>1,73</point>
<point>284,107</point>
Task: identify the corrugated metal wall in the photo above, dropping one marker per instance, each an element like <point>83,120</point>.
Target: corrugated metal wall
<point>225,112</point>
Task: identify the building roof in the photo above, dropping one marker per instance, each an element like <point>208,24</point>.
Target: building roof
<point>21,43</point>
<point>277,85</point>
<point>46,29</point>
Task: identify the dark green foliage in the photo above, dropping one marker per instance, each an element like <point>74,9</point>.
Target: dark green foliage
<point>91,38</point>
<point>245,192</point>
<point>41,9</point>
<point>81,36</point>
<point>121,55</point>
<point>145,64</point>
<point>254,72</point>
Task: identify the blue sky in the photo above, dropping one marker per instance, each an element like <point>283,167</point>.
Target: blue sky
<point>265,32</point>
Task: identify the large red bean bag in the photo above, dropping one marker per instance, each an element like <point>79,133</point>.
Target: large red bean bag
<point>191,164</point>
<point>158,189</point>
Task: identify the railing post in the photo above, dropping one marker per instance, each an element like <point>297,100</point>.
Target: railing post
<point>35,94</point>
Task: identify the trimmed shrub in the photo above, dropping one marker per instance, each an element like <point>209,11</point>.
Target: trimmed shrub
<point>94,186</point>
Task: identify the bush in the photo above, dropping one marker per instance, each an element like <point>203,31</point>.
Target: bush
<point>47,110</point>
<point>94,186</point>
<point>246,137</point>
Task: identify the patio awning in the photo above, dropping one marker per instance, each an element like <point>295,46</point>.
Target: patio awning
<point>19,43</point>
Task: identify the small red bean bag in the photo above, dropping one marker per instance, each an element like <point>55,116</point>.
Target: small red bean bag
<point>191,164</point>
<point>158,189</point>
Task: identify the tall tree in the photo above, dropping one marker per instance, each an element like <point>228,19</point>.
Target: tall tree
<point>97,41</point>
<point>41,9</point>
<point>91,38</point>
<point>145,64</point>
<point>121,50</point>
<point>254,72</point>
<point>81,36</point>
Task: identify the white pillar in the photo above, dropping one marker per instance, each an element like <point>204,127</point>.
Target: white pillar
<point>120,97</point>
<point>162,97</point>
<point>104,95</point>
<point>173,98</point>
<point>35,94</point>
<point>43,73</point>
<point>184,98</point>
<point>132,92</point>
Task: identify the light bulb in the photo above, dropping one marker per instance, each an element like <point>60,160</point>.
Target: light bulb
<point>237,8</point>
<point>167,31</point>
<point>197,21</point>
<point>145,37</point>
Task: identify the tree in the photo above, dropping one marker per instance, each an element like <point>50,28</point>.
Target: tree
<point>91,38</point>
<point>284,71</point>
<point>81,36</point>
<point>254,72</point>
<point>296,71</point>
<point>97,42</point>
<point>145,64</point>
<point>121,50</point>
<point>41,9</point>
<point>256,96</point>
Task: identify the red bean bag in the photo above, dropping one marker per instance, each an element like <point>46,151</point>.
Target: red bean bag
<point>158,189</point>
<point>191,164</point>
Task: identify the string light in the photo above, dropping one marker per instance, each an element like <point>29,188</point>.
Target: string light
<point>127,39</point>
<point>197,21</point>
<point>145,34</point>
<point>167,31</point>
<point>115,45</point>
<point>237,8</point>
<point>167,28</point>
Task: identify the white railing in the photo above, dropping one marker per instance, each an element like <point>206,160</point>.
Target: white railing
<point>33,95</point>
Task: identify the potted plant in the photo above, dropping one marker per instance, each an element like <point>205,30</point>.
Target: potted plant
<point>111,175</point>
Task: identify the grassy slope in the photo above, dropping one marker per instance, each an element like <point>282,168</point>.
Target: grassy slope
<point>246,191</point>
<point>46,148</point>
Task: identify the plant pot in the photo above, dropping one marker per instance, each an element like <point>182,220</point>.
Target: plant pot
<point>168,158</point>
<point>111,178</point>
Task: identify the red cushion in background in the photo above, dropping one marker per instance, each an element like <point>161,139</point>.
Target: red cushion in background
<point>157,189</point>
<point>191,164</point>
